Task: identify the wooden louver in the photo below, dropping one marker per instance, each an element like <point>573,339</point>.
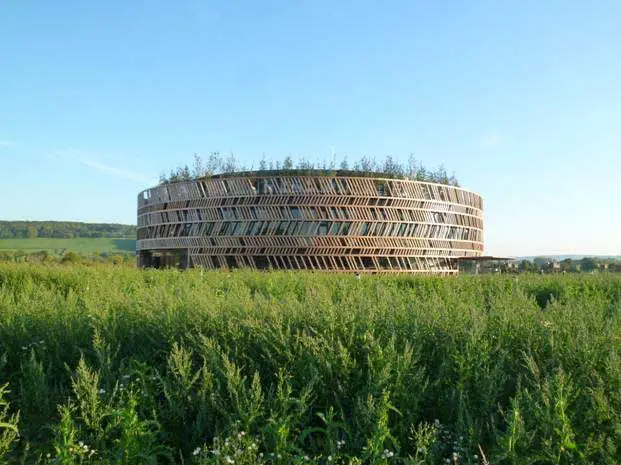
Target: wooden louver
<point>313,222</point>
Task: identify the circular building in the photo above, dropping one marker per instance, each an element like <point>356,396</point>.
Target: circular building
<point>310,220</point>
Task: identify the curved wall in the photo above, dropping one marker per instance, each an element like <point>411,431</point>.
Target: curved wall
<point>332,223</point>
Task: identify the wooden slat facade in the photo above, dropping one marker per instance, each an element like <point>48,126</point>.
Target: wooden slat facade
<point>315,222</point>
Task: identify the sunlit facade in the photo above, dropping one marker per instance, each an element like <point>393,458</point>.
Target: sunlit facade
<point>313,221</point>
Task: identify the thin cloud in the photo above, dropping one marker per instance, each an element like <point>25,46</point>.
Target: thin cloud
<point>91,162</point>
<point>6,143</point>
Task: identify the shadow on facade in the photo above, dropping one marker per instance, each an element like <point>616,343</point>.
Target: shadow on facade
<point>163,259</point>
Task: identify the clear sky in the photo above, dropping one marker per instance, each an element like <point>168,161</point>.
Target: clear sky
<point>521,99</point>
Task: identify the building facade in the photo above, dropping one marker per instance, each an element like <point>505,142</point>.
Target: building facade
<point>340,221</point>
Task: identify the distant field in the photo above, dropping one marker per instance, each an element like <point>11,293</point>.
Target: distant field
<point>80,245</point>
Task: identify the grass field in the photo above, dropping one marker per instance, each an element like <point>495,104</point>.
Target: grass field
<point>113,365</point>
<point>79,245</point>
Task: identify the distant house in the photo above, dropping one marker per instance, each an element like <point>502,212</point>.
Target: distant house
<point>485,264</point>
<point>512,266</point>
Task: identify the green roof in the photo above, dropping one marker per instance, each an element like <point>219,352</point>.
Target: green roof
<point>307,172</point>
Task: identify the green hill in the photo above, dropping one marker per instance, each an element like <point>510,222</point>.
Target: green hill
<point>84,245</point>
<point>59,237</point>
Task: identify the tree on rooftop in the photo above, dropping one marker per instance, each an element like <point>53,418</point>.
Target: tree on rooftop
<point>288,163</point>
<point>391,167</point>
<point>365,166</point>
<point>263,163</point>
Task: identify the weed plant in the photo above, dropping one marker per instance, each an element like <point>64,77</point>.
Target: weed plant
<point>110,365</point>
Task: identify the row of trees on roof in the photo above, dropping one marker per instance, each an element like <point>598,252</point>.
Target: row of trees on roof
<point>216,164</point>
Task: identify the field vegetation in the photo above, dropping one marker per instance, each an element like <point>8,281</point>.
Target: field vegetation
<point>82,245</point>
<point>45,241</point>
<point>112,365</point>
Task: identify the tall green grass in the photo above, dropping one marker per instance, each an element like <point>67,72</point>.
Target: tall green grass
<point>118,366</point>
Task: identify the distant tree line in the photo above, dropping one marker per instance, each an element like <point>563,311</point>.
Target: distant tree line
<point>568,265</point>
<point>63,230</point>
<point>216,164</point>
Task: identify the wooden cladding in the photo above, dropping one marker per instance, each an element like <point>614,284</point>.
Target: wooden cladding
<point>311,222</point>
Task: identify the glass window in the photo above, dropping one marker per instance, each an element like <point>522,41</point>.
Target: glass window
<point>305,228</point>
<point>323,228</point>
<point>334,229</point>
<point>293,226</point>
<point>281,228</point>
<point>186,229</point>
<point>224,228</point>
<point>379,186</point>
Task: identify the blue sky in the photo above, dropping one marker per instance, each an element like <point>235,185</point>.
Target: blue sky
<point>521,99</point>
